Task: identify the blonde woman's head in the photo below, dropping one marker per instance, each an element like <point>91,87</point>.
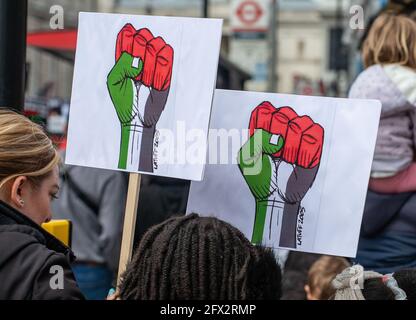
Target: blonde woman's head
<point>29,176</point>
<point>391,39</point>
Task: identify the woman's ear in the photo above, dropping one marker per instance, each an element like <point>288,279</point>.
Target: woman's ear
<point>17,191</point>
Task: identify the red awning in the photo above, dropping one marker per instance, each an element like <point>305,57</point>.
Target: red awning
<point>53,40</point>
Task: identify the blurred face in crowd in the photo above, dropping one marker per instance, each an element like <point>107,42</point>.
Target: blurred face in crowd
<point>34,199</point>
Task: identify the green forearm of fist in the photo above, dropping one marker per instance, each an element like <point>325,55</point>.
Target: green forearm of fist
<point>256,166</point>
<point>120,84</point>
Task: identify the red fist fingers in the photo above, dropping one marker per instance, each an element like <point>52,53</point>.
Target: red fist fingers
<point>125,40</point>
<point>310,149</point>
<point>303,138</point>
<point>293,137</point>
<point>163,70</point>
<point>280,123</point>
<point>157,56</point>
<point>261,117</point>
<point>141,39</point>
<point>152,50</point>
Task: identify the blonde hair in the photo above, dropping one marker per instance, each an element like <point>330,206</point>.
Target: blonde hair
<point>391,39</point>
<point>25,149</point>
<point>321,274</point>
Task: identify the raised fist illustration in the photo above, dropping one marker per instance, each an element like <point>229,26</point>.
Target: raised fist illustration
<point>279,163</point>
<point>139,86</point>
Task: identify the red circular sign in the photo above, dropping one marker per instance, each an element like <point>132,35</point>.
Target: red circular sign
<point>249,12</point>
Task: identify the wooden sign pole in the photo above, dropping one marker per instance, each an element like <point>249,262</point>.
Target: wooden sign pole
<point>129,223</point>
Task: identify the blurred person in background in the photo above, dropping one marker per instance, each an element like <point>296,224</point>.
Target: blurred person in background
<point>295,274</point>
<point>320,276</point>
<point>388,233</point>
<point>160,198</point>
<point>355,283</point>
<point>94,201</point>
<point>389,55</point>
<point>406,280</point>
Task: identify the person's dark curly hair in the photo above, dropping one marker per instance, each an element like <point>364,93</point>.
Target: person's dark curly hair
<point>192,257</point>
<point>375,289</point>
<point>406,279</point>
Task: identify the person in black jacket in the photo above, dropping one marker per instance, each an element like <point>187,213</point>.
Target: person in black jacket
<point>33,263</point>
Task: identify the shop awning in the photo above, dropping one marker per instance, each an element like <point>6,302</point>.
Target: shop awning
<point>53,40</point>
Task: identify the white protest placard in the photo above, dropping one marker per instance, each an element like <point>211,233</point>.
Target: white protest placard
<point>141,83</point>
<point>289,171</point>
<point>141,97</point>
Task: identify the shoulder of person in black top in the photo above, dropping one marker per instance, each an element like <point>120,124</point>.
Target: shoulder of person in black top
<point>33,263</point>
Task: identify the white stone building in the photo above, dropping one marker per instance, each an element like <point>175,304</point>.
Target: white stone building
<point>303,40</point>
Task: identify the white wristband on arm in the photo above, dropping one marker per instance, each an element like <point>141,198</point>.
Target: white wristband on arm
<point>274,139</point>
<point>135,63</point>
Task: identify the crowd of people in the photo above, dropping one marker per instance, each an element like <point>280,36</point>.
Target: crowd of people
<point>192,257</point>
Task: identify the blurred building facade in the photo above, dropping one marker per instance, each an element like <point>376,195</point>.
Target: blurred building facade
<point>305,38</point>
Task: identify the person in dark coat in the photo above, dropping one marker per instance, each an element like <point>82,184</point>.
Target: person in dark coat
<point>33,263</point>
<point>28,256</point>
